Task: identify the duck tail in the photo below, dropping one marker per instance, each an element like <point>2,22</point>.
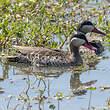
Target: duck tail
<point>17,59</point>
<point>12,58</point>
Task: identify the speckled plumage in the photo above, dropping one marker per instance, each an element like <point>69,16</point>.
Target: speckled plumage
<point>50,57</point>
<point>44,56</point>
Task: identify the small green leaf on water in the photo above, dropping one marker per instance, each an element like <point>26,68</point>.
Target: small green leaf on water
<point>41,91</point>
<point>42,103</point>
<point>52,106</point>
<point>20,97</point>
<point>25,100</point>
<point>54,44</point>
<point>92,88</point>
<point>18,35</point>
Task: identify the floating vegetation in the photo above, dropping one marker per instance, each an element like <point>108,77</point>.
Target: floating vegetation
<point>47,23</point>
<point>40,22</point>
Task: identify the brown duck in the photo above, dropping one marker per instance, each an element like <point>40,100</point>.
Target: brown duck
<point>52,57</point>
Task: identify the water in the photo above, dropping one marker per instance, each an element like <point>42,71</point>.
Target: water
<point>20,89</point>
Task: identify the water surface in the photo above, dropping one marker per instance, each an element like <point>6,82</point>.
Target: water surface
<point>25,86</point>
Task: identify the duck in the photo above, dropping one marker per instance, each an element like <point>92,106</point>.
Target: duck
<point>87,26</point>
<point>52,57</point>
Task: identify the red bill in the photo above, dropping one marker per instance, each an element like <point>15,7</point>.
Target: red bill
<point>89,46</point>
<point>99,32</point>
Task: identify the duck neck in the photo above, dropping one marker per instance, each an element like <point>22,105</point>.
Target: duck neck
<point>75,55</point>
<point>75,52</point>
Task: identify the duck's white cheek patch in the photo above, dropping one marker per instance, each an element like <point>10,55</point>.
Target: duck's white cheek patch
<point>87,28</point>
<point>77,41</point>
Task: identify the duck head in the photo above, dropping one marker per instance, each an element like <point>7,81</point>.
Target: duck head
<point>78,40</point>
<point>87,26</point>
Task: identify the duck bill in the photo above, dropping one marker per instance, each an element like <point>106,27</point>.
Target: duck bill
<point>89,46</point>
<point>99,32</point>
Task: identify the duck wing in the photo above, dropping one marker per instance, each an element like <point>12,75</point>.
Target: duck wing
<point>26,49</point>
<point>48,57</point>
<point>43,56</point>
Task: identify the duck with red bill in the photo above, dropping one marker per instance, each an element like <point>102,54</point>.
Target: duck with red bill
<point>87,26</point>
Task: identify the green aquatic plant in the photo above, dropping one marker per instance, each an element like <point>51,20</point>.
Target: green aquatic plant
<point>40,23</point>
